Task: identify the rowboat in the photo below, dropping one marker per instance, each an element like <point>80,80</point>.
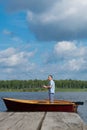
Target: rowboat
<point>39,105</point>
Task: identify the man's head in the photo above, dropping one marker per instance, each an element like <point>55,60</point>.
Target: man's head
<point>50,77</point>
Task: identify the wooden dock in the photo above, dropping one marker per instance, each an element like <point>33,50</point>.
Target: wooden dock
<point>41,121</point>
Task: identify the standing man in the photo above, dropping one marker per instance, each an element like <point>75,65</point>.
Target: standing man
<point>51,88</point>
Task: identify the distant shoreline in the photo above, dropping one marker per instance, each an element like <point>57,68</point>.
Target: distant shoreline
<point>42,90</point>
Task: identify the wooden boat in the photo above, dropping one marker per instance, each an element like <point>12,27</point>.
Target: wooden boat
<point>40,105</point>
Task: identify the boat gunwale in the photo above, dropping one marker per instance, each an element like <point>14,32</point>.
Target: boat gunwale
<point>39,102</point>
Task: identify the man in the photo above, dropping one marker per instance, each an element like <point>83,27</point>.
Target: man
<point>51,88</point>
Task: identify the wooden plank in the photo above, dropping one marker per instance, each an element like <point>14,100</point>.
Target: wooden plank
<point>41,121</point>
<point>21,121</point>
<point>4,115</point>
<point>63,121</point>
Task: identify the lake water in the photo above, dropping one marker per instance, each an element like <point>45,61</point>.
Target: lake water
<point>72,96</point>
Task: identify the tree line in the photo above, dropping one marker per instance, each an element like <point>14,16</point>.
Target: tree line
<point>37,84</point>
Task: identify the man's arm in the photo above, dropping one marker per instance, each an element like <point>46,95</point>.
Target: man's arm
<point>46,86</point>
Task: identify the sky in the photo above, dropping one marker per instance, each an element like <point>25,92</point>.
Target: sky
<point>42,37</point>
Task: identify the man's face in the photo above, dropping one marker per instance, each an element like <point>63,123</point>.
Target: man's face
<point>49,78</point>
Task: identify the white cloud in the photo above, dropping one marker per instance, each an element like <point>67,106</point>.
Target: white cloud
<point>66,62</point>
<point>76,64</point>
<point>69,59</point>
<point>70,49</point>
<point>16,62</point>
<point>64,47</point>
<point>7,52</point>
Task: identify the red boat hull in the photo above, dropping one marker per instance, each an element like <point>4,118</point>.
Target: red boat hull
<point>13,105</point>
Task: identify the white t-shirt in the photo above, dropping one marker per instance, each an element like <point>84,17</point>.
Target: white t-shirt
<point>52,85</point>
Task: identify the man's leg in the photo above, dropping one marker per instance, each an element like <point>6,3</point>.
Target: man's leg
<point>51,97</point>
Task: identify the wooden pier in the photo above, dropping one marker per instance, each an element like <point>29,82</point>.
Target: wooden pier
<point>41,121</point>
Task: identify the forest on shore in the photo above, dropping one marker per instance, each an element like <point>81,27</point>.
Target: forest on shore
<point>36,85</point>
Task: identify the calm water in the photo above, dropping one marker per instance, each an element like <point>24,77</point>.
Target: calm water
<point>73,96</point>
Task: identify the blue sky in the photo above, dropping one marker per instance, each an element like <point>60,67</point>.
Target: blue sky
<point>42,37</point>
